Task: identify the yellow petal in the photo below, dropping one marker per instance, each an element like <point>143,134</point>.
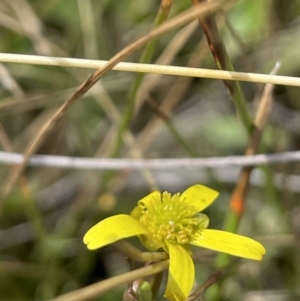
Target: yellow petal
<point>147,201</point>
<point>136,212</point>
<point>181,273</point>
<point>199,196</point>
<point>230,243</point>
<point>112,229</point>
<point>151,243</point>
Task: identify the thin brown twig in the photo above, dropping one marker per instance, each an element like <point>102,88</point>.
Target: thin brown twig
<point>156,109</point>
<point>223,61</point>
<point>263,111</point>
<point>177,21</point>
<point>215,44</point>
<point>212,279</point>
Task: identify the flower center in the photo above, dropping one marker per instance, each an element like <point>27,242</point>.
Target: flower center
<point>172,218</point>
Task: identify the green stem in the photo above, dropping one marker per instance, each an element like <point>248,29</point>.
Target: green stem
<point>223,61</point>
<point>146,57</point>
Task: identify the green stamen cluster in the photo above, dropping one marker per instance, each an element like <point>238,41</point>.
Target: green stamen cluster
<point>170,217</point>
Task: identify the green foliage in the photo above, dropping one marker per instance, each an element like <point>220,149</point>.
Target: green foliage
<point>44,219</point>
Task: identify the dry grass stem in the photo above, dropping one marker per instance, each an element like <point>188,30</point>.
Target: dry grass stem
<point>97,289</point>
<point>119,164</point>
<point>238,196</point>
<point>150,68</point>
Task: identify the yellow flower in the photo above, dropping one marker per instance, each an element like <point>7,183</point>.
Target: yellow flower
<point>172,222</point>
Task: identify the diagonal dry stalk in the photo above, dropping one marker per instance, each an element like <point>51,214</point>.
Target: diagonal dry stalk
<point>183,18</point>
<point>223,61</point>
<point>238,197</point>
<point>263,111</point>
<point>212,279</point>
<point>99,288</point>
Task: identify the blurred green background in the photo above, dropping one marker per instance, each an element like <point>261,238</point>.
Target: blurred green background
<point>45,217</point>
